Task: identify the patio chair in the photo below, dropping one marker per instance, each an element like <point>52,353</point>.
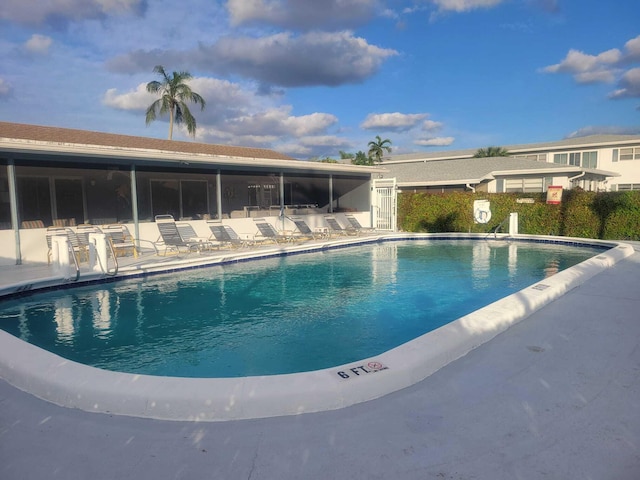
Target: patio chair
<point>225,235</point>
<point>336,229</point>
<point>170,237</point>
<point>52,232</point>
<point>266,231</point>
<point>188,234</point>
<point>83,231</point>
<point>121,240</point>
<point>26,224</point>
<point>303,230</point>
<point>80,251</point>
<point>355,224</point>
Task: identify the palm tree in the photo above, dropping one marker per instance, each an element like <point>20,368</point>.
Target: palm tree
<point>491,152</point>
<point>378,147</point>
<point>174,93</point>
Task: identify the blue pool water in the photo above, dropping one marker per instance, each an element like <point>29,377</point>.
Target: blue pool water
<point>280,315</point>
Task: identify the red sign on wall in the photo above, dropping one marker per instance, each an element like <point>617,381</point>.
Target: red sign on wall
<point>554,194</point>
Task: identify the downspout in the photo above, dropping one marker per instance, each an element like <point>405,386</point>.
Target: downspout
<point>470,187</point>
<point>580,175</point>
<point>13,199</point>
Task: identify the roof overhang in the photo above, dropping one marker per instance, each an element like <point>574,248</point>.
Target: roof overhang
<point>569,171</point>
<point>66,152</point>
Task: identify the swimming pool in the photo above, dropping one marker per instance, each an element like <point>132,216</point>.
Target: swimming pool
<point>281,315</point>
<point>72,384</point>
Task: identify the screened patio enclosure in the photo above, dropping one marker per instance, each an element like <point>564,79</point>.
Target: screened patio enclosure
<point>73,195</point>
<point>60,177</point>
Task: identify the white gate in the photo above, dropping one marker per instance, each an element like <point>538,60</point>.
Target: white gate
<point>384,202</point>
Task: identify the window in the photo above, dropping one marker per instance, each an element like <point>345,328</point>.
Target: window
<point>526,185</point>
<point>538,157</point>
<point>590,159</point>
<point>574,159</point>
<point>195,202</point>
<point>625,187</point>
<point>615,155</point>
<point>631,153</point>
<point>34,199</point>
<point>560,158</point>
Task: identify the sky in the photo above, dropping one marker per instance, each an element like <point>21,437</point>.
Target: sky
<point>311,78</point>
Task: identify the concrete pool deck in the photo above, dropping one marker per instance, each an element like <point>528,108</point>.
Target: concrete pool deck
<point>555,396</point>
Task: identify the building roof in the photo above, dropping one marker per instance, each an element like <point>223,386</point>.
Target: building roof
<point>461,171</point>
<point>62,144</point>
<point>577,143</point>
<point>69,136</point>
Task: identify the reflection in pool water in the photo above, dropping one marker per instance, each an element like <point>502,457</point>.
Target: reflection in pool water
<point>281,315</point>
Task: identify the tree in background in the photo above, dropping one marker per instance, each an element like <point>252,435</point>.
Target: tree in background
<point>377,148</point>
<point>491,152</point>
<point>361,158</point>
<point>174,94</point>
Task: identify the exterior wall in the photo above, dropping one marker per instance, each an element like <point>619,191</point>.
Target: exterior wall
<point>629,170</point>
<point>33,243</point>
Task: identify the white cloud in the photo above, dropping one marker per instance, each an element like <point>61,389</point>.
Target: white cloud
<point>237,115</point>
<point>38,44</point>
<point>284,59</point>
<point>315,58</point>
<point>6,88</point>
<point>632,50</point>
<point>588,68</point>
<point>605,67</point>
<point>604,130</point>
<point>138,99</point>
<point>392,121</point>
<point>63,11</point>
<point>460,6</point>
<point>302,14</point>
<point>465,5</point>
<point>435,141</point>
<point>629,85</point>
<point>431,126</point>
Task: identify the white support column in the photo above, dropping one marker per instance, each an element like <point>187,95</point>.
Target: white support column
<point>13,202</point>
<point>134,204</point>
<point>60,255</point>
<point>513,223</point>
<point>98,252</point>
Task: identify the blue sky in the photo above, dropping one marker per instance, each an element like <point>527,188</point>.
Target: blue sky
<point>310,78</point>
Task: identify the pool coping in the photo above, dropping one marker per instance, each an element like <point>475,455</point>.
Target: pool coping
<point>74,385</point>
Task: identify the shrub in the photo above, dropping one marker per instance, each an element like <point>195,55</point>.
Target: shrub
<point>605,215</point>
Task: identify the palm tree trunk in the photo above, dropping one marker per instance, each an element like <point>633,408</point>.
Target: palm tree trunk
<point>171,124</point>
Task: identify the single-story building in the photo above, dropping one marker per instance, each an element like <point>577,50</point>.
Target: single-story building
<point>57,176</point>
<point>491,175</point>
<point>594,162</point>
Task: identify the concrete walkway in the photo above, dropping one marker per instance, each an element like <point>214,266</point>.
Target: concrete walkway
<point>556,396</point>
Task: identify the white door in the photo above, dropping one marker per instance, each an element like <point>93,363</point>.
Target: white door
<point>384,203</point>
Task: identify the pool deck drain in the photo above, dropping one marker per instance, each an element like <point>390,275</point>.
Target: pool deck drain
<point>501,411</point>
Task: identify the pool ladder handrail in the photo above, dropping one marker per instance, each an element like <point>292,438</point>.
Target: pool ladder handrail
<point>72,254</point>
<point>115,260</point>
<point>496,229</point>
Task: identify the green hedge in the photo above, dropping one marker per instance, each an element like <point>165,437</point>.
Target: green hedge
<point>605,215</point>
